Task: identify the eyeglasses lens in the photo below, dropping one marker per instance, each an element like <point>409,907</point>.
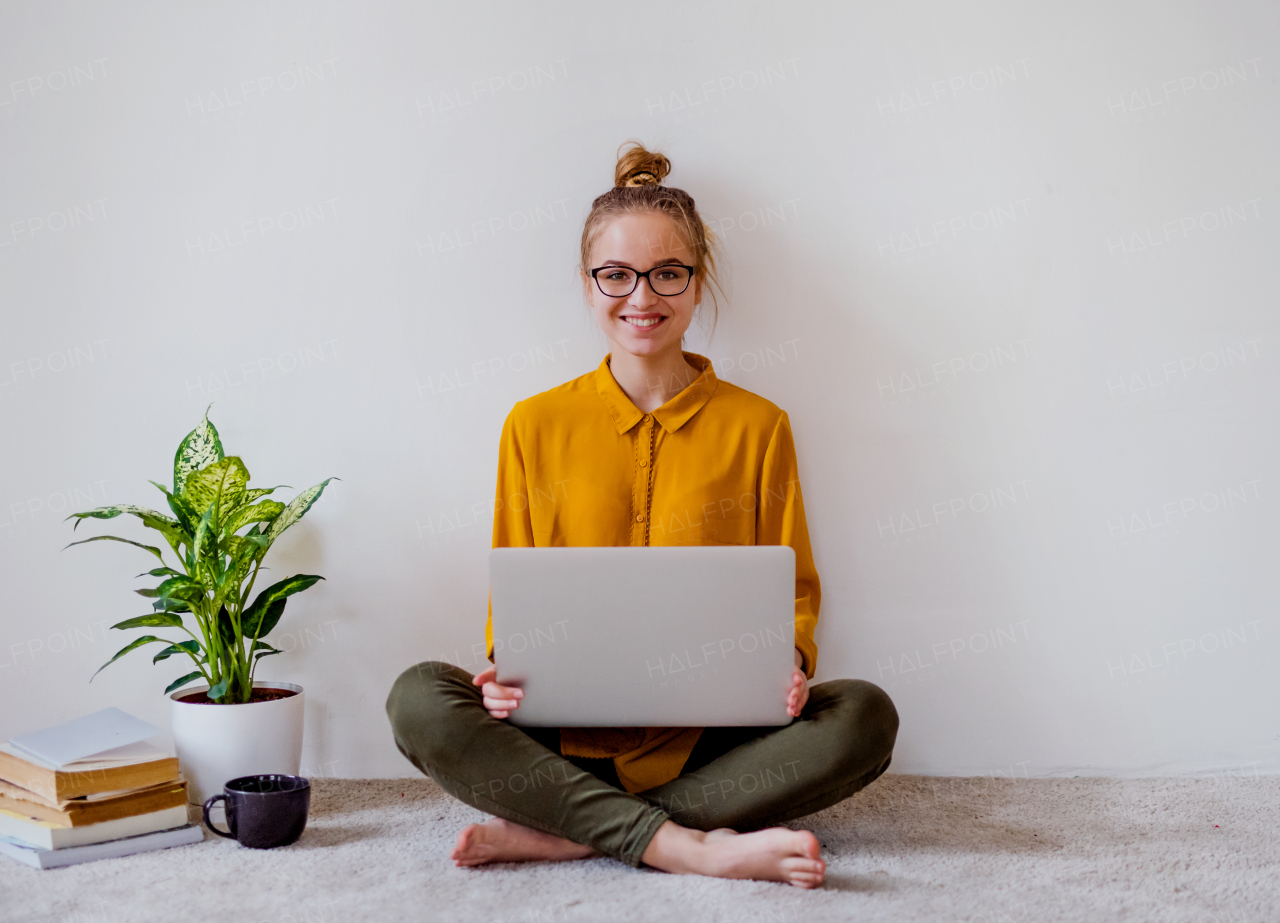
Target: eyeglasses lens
<point>618,281</point>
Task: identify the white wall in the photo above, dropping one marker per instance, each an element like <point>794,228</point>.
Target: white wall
<point>1010,268</point>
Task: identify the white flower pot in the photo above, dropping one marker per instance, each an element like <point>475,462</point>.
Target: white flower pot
<point>216,743</point>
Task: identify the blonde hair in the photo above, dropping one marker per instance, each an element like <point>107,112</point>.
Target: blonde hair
<point>637,188</point>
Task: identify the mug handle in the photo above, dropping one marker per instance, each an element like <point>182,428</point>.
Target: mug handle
<point>208,822</point>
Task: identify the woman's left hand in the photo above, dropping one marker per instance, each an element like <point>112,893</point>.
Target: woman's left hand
<point>798,695</point>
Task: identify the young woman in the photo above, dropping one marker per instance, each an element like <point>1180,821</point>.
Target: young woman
<point>649,449</point>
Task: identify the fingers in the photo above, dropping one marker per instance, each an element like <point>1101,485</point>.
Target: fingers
<point>499,700</point>
<point>798,694</point>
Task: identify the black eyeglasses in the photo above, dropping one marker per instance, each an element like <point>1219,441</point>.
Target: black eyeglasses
<point>621,281</point>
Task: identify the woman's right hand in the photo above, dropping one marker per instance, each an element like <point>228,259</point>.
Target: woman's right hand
<point>499,700</point>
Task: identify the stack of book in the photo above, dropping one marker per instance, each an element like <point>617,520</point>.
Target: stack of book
<point>90,789</point>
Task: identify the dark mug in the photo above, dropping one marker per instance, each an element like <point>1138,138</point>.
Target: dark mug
<point>263,811</point>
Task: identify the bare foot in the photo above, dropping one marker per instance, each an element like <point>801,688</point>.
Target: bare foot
<point>776,854</point>
<point>498,840</point>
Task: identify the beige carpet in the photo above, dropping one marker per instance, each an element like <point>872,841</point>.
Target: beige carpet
<point>908,848</point>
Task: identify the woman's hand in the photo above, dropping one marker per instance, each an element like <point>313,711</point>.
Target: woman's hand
<point>799,692</point>
<point>500,700</point>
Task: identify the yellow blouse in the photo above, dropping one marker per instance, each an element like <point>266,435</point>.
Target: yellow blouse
<point>582,465</point>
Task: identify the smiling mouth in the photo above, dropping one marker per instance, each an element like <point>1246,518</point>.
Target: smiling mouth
<point>644,322</point>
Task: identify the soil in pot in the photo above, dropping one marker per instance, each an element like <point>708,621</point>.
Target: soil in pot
<point>259,694</point>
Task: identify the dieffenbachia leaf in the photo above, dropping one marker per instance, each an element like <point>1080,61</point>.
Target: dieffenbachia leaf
<point>188,518</point>
<point>219,486</point>
<point>115,538</point>
<point>266,610</point>
<point>181,647</point>
<point>219,690</point>
<point>259,492</point>
<point>182,681</point>
<point>162,572</point>
<point>265,511</point>
<point>136,643</point>
<point>203,533</point>
<point>263,649</point>
<point>199,448</point>
<point>171,529</point>
<point>295,510</point>
<point>155,620</point>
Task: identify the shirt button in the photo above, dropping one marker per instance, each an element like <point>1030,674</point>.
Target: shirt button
<point>643,462</point>
<point>640,518</point>
<point>646,418</point>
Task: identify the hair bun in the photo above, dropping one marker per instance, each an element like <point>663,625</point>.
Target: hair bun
<point>639,167</point>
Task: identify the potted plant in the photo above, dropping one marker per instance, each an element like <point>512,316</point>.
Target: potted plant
<point>221,529</point>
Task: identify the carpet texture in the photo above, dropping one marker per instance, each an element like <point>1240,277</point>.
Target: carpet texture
<point>908,848</point>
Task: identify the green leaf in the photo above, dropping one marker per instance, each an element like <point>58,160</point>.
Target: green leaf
<point>155,620</point>
<point>115,538</point>
<point>219,486</point>
<point>258,492</point>
<point>265,511</point>
<point>219,690</point>
<point>264,649</point>
<point>199,448</point>
<point>171,605</point>
<point>189,647</point>
<point>226,628</point>
<point>182,681</point>
<point>180,587</point>
<point>295,510</point>
<point>136,643</point>
<point>202,534</point>
<point>188,518</point>
<point>262,616</point>
<point>170,528</point>
<point>162,572</point>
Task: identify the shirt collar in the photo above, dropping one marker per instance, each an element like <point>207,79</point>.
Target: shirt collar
<point>674,413</point>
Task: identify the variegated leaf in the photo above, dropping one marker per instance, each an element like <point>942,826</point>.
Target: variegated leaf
<point>259,492</point>
<point>219,486</point>
<point>188,518</point>
<point>199,448</point>
<point>295,510</point>
<point>203,534</point>
<point>115,538</point>
<point>155,620</point>
<point>150,518</point>
<point>265,511</point>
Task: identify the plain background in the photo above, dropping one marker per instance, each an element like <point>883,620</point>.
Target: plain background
<point>1009,267</point>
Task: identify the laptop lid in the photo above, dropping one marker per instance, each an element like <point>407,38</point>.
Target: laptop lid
<point>645,637</point>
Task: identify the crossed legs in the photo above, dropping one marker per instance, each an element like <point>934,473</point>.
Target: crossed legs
<point>546,807</point>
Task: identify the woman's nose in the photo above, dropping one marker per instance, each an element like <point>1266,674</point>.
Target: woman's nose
<point>643,294</point>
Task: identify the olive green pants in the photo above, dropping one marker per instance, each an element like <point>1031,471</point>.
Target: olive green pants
<point>742,778</point>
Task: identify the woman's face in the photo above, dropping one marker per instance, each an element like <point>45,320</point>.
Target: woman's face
<point>642,323</point>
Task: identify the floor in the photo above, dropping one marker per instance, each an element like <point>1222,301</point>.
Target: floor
<point>908,848</point>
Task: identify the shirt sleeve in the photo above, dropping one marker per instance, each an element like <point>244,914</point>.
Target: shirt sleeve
<point>780,521</point>
<point>512,527</point>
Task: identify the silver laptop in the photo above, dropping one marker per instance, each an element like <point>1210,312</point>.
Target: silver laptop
<point>645,637</point>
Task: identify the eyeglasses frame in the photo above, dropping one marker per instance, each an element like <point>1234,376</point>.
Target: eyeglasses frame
<point>644,275</point>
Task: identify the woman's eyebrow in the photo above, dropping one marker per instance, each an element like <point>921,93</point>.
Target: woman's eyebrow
<point>667,262</point>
